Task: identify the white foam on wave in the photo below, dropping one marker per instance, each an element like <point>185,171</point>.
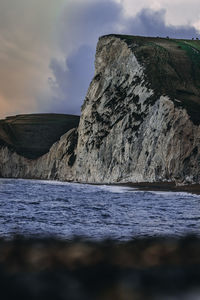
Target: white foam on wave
<point>116,189</point>
<point>91,187</point>
<point>107,188</point>
<point>78,186</point>
<point>178,194</point>
<point>50,182</point>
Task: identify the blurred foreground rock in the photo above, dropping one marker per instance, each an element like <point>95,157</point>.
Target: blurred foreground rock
<point>157,268</point>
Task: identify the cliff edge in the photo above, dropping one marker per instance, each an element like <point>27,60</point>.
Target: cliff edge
<point>140,121</point>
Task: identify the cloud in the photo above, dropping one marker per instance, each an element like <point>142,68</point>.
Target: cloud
<point>26,47</point>
<point>72,80</point>
<point>153,23</point>
<point>47,47</point>
<point>177,11</point>
<point>83,21</point>
<point>80,27</point>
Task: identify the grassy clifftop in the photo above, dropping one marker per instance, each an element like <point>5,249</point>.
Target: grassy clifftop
<point>32,135</point>
<point>172,67</point>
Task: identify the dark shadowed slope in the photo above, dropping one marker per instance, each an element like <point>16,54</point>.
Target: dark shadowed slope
<point>32,135</point>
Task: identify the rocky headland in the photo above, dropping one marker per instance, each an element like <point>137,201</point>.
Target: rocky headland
<point>140,120</point>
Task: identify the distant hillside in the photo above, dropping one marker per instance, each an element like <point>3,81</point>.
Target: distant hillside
<point>32,135</point>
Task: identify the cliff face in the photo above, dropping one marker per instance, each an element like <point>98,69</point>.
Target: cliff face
<point>56,164</point>
<point>140,119</point>
<point>32,135</point>
<point>131,129</point>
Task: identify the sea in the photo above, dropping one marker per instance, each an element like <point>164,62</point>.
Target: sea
<point>34,208</point>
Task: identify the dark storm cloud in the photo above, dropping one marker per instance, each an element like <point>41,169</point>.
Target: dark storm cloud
<point>152,23</point>
<point>72,80</point>
<point>83,22</point>
<point>80,28</point>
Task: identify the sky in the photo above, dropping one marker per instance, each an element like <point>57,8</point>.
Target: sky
<point>47,47</point>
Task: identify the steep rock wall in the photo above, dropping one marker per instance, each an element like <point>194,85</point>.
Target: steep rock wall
<point>129,130</point>
<point>126,132</point>
<point>56,164</point>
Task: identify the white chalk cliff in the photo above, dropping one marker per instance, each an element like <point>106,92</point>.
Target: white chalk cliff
<point>130,129</point>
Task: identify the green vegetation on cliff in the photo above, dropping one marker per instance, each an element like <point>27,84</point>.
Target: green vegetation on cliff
<point>172,67</point>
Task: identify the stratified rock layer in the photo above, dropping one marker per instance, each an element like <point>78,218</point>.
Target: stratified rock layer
<point>140,119</point>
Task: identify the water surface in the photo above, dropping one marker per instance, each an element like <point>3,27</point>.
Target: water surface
<point>51,208</point>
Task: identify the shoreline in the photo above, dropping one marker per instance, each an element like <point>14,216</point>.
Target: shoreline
<point>141,186</point>
<point>164,187</point>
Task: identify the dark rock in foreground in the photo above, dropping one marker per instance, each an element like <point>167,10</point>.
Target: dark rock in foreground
<point>155,268</point>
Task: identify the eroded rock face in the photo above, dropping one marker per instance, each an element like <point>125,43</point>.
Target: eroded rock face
<point>129,131</point>
<point>56,164</point>
<point>126,132</point>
